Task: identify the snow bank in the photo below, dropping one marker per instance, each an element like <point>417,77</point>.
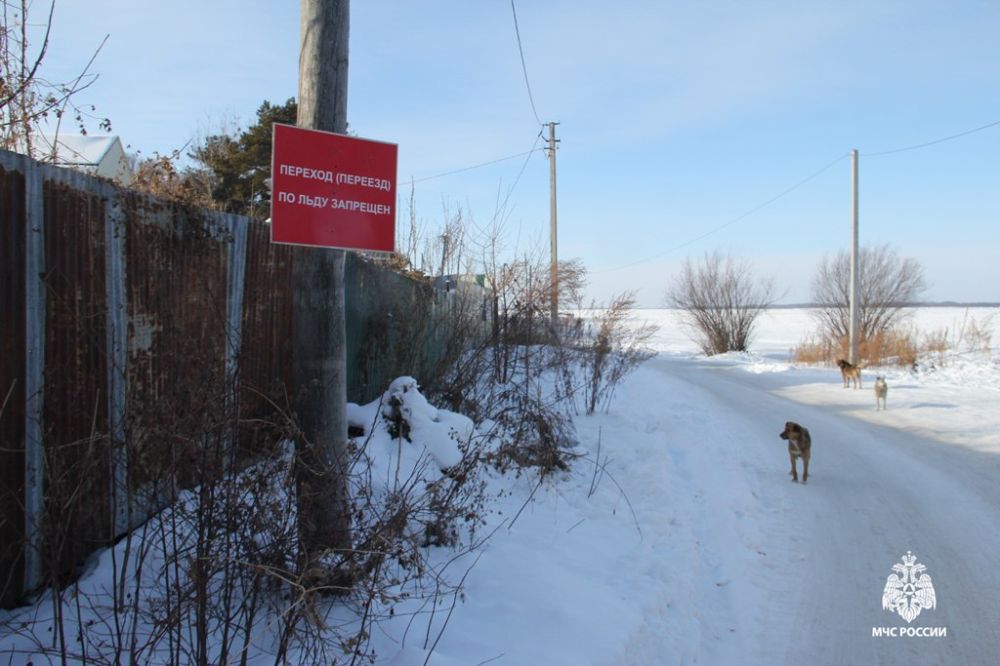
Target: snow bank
<point>407,437</point>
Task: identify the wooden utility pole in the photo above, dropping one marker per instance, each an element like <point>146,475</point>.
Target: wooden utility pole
<point>553,235</point>
<point>320,367</point>
<point>855,278</point>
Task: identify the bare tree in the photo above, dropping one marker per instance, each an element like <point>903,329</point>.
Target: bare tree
<point>888,284</point>
<point>27,98</point>
<point>721,300</point>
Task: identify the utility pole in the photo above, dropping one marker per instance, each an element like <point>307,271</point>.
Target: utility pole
<point>319,366</point>
<point>553,235</point>
<point>855,280</point>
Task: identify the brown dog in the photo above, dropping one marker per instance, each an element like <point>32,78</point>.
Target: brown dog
<point>849,372</point>
<point>799,446</point>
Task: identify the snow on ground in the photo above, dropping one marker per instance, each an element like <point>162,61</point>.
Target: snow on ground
<point>678,539</point>
<point>696,549</point>
<point>951,398</point>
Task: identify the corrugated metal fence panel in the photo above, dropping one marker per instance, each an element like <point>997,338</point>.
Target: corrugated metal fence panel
<point>12,235</point>
<point>176,294</point>
<point>265,362</point>
<point>76,392</point>
<point>387,327</point>
<point>174,392</point>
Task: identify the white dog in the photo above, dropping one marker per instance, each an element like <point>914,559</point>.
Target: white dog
<point>881,390</point>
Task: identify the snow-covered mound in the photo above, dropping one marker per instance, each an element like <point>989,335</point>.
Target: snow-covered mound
<point>406,436</point>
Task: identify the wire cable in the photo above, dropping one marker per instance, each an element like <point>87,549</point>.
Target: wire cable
<point>534,149</point>
<point>524,67</point>
<point>934,142</point>
<point>476,166</point>
<point>730,222</point>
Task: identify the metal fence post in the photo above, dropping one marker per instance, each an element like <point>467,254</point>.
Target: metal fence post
<point>34,453</point>
<point>117,352</point>
<point>236,276</point>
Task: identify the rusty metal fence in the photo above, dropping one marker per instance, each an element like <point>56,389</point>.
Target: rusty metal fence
<point>116,307</point>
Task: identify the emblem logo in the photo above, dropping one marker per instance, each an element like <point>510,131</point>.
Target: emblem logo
<point>908,591</point>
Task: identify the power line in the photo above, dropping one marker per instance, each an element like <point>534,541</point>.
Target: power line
<point>534,149</point>
<point>934,142</point>
<point>730,222</point>
<point>524,67</point>
<point>478,166</point>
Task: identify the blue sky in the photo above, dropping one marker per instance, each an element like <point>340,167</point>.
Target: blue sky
<point>675,118</point>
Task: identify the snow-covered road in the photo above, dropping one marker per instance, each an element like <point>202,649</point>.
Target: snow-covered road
<point>791,573</point>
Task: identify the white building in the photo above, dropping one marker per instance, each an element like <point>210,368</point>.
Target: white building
<point>101,155</point>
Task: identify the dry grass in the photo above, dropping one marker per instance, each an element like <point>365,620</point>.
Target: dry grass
<point>901,346</point>
<point>813,350</point>
<point>893,347</point>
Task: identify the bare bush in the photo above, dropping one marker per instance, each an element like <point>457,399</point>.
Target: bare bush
<point>534,431</point>
<point>721,300</point>
<point>572,282</point>
<point>581,358</point>
<point>888,283</point>
<point>610,348</point>
<point>936,341</point>
<point>968,337</point>
<point>161,177</point>
<point>973,336</point>
<point>502,373</point>
<point>216,576</point>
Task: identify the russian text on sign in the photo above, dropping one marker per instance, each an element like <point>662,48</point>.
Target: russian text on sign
<point>305,172</point>
<point>365,181</point>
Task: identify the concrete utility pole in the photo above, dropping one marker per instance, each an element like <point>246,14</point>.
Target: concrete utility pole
<point>553,232</point>
<point>855,278</point>
<point>320,366</point>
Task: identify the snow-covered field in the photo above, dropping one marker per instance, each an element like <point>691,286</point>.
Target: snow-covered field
<point>679,539</point>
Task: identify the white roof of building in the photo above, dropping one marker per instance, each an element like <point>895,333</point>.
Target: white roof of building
<point>76,149</point>
<point>101,155</point>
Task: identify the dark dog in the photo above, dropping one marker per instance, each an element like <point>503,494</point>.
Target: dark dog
<point>881,391</point>
<point>799,446</point>
<point>850,372</point>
